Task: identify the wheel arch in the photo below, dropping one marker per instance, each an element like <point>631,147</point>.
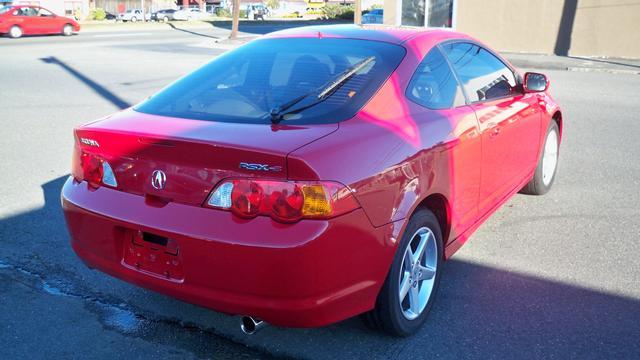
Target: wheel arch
<point>15,25</point>
<point>439,205</point>
<point>557,117</point>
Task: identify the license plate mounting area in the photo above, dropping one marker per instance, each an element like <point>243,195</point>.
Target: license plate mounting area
<point>154,255</point>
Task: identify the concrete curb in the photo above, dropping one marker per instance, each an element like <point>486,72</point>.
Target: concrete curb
<point>576,64</point>
<point>196,24</point>
<point>604,70</point>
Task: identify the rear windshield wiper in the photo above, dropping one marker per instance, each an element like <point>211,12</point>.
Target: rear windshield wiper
<point>323,92</point>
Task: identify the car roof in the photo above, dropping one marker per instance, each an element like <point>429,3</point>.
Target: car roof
<point>392,34</point>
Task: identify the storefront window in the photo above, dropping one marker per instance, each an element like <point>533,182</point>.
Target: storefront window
<point>413,12</point>
<point>440,13</point>
<point>431,13</point>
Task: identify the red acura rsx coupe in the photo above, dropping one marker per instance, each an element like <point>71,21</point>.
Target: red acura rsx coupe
<point>312,175</point>
<point>16,21</point>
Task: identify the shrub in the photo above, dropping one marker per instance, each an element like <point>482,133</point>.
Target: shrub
<point>293,15</point>
<point>243,14</point>
<point>335,11</point>
<point>97,14</point>
<point>347,15</point>
<point>222,12</point>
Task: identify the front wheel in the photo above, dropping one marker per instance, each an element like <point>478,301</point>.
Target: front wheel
<point>545,173</point>
<point>67,30</point>
<point>15,32</point>
<point>165,19</point>
<point>412,282</point>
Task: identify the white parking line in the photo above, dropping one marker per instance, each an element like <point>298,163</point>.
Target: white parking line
<point>119,35</point>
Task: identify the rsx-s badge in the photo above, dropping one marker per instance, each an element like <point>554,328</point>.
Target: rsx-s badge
<point>259,167</point>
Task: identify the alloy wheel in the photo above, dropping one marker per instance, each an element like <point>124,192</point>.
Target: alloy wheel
<point>67,30</point>
<point>550,157</point>
<point>417,273</point>
<point>15,32</point>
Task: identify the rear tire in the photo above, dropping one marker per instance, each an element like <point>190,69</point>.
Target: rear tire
<point>67,30</point>
<point>396,312</point>
<point>15,32</point>
<point>165,19</point>
<point>545,173</point>
<point>134,19</point>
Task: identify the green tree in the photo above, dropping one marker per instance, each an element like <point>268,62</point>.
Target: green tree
<point>272,4</point>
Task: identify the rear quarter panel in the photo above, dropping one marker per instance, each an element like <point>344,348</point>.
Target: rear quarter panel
<point>395,153</point>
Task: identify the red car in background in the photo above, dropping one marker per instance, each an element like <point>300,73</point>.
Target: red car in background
<point>312,175</point>
<point>34,20</point>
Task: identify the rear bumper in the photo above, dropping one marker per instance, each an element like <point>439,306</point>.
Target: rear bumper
<point>307,274</point>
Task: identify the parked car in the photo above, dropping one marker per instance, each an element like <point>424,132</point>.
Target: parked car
<point>163,15</point>
<point>256,11</point>
<point>373,17</point>
<point>132,15</point>
<point>189,14</point>
<point>19,20</point>
<point>312,175</point>
<point>110,16</point>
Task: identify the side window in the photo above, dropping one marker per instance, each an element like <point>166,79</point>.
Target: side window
<point>433,84</point>
<point>483,76</point>
<point>26,11</point>
<point>44,12</point>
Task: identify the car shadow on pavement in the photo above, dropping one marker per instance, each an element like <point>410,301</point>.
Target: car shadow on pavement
<point>99,89</point>
<point>480,312</point>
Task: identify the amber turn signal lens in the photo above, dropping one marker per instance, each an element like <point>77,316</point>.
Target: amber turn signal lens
<point>316,201</point>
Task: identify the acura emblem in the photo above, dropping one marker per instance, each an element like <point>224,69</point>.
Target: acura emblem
<point>158,179</point>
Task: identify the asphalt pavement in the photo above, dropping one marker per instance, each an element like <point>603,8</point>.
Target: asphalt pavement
<point>556,276</point>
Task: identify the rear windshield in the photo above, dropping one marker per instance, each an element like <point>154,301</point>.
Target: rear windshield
<point>4,9</point>
<point>244,85</point>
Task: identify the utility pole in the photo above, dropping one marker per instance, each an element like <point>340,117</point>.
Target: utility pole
<point>357,13</point>
<point>236,20</point>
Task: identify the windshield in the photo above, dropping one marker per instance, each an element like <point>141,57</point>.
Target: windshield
<point>4,9</point>
<point>246,84</point>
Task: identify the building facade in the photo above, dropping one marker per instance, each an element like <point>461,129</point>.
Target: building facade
<point>608,28</point>
<point>68,8</point>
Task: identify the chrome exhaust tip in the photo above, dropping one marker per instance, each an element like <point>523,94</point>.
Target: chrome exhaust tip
<point>251,325</point>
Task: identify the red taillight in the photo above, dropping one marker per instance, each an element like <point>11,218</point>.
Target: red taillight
<point>284,201</point>
<point>246,199</point>
<point>92,170</point>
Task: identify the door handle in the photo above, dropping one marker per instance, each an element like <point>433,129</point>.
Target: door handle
<point>494,132</point>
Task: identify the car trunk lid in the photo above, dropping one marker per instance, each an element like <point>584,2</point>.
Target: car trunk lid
<point>193,155</point>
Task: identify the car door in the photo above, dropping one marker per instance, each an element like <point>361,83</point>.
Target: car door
<point>509,119</point>
<point>453,125</point>
<point>26,19</point>
<point>47,23</point>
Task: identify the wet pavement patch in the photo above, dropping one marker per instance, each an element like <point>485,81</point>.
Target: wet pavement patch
<point>118,316</point>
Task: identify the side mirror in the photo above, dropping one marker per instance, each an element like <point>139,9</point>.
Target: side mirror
<point>535,82</point>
